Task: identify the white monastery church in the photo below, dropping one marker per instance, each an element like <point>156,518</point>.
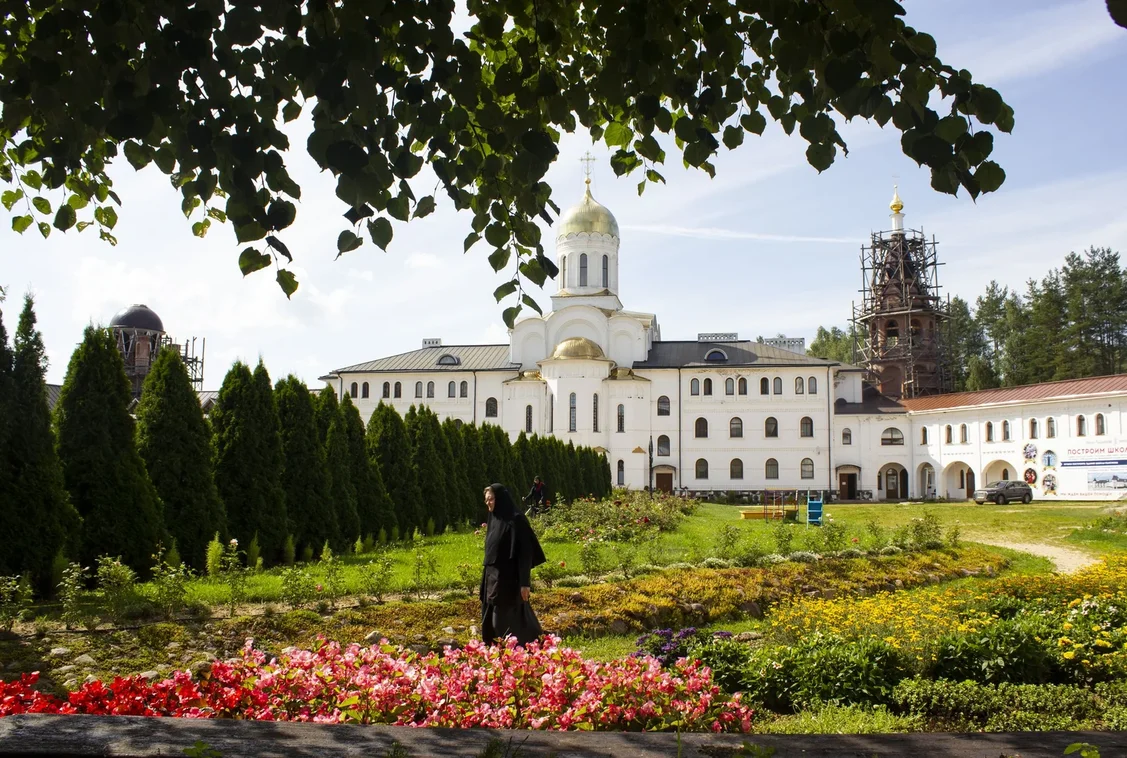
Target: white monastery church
<point>720,414</point>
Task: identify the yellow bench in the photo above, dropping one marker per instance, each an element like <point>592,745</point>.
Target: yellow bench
<point>766,512</point>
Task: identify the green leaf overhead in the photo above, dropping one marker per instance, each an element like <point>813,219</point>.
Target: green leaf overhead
<point>385,90</point>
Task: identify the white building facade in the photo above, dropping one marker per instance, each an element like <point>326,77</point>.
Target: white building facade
<point>722,414</point>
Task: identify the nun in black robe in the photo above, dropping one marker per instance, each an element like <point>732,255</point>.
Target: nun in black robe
<point>511,551</point>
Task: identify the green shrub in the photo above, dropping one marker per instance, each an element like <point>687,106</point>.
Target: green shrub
<point>289,551</point>
<point>877,535</point>
<point>834,536</point>
<point>169,584</point>
<point>234,575</point>
<point>118,586</point>
<point>424,571</point>
<point>926,532</point>
<point>72,595</point>
<point>307,554</point>
<point>591,557</point>
<point>784,538</point>
<point>15,601</point>
<point>394,533</point>
<point>429,526</point>
<point>622,517</point>
<point>381,538</point>
<point>298,587</point>
<point>842,719</point>
<point>954,540</point>
<point>334,574</point>
<point>253,554</point>
<point>358,546</point>
<point>728,540</point>
<point>375,575</point>
<point>548,573</point>
<point>625,558</point>
<point>214,560</point>
<point>947,705</point>
<point>824,669</point>
<point>1010,650</point>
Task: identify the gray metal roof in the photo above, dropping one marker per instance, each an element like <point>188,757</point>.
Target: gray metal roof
<point>690,353</point>
<point>54,390</point>
<point>872,403</point>
<point>470,358</point>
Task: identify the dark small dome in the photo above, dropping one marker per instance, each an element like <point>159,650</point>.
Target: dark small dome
<point>137,317</point>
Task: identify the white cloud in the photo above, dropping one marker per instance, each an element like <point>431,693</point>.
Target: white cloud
<point>730,234</point>
<point>421,260</point>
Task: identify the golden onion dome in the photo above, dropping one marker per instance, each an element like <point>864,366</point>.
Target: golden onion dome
<point>577,348</point>
<point>587,217</point>
<point>897,204</point>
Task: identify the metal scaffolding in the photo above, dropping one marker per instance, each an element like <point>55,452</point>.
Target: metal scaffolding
<point>140,347</point>
<point>901,325</point>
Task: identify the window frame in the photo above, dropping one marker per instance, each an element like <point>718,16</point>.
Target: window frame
<point>736,469</point>
<point>694,387</point>
<point>949,436</point>
<point>707,386</point>
<point>741,386</point>
<point>667,448</point>
<point>806,469</point>
<point>583,269</point>
<point>572,414</point>
<point>989,431</point>
<point>595,413</point>
<point>387,389</point>
<point>1081,426</point>
<point>701,465</point>
<point>771,424</point>
<point>730,386</point>
<point>418,390</point>
<point>452,389</point>
<point>799,386</point>
<point>606,271</point>
<point>735,428</point>
<point>354,390</point>
<point>764,386</point>
<point>398,390</point>
<point>806,427</point>
<point>1101,425</point>
<point>430,390</point>
<point>701,424</point>
<point>663,405</point>
<point>621,473</point>
<point>621,418</point>
<point>892,437</point>
<point>491,404</point>
<point>463,389</point>
<point>528,419</point>
<point>846,436</point>
<point>771,469</point>
<point>778,386</point>
<point>812,385</point>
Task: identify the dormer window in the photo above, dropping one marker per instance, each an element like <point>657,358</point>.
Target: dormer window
<point>716,356</point>
<point>449,360</point>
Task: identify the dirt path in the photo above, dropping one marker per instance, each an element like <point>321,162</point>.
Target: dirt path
<point>1066,559</point>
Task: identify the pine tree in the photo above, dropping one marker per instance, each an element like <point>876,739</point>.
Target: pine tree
<point>374,508</point>
<point>8,502</point>
<point>247,455</point>
<point>342,493</point>
<point>390,449</point>
<point>523,469</point>
<point>312,517</point>
<point>326,407</point>
<point>465,507</point>
<point>104,473</point>
<point>493,467</point>
<point>475,472</point>
<point>428,464</point>
<point>175,443</point>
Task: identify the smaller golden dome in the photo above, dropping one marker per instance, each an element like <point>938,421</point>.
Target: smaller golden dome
<point>578,348</point>
<point>897,204</point>
<point>588,216</point>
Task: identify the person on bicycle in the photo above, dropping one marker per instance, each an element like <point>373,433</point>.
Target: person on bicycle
<point>537,496</point>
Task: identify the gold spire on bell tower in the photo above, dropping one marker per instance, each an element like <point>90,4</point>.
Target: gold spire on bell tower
<point>897,204</point>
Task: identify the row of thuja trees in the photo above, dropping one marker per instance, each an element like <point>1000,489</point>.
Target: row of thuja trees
<point>274,465</point>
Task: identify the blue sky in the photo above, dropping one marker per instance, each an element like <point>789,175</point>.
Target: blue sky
<point>768,246</point>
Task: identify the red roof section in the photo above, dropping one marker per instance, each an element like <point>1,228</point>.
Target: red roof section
<point>1096,385</point>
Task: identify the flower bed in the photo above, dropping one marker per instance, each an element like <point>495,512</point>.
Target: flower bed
<point>623,517</point>
<point>542,686</point>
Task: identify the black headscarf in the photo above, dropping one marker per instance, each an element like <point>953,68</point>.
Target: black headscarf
<point>509,532</point>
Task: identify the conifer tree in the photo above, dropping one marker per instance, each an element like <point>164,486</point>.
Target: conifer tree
<point>342,493</point>
<point>8,558</point>
<point>103,472</point>
<point>475,471</point>
<point>389,447</point>
<point>523,467</point>
<point>175,443</point>
<point>466,507</point>
<point>574,484</point>
<point>491,456</point>
<point>326,407</point>
<point>374,508</point>
<point>247,455</point>
<point>427,464</point>
<point>312,517</point>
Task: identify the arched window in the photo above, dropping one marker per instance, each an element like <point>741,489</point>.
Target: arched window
<point>621,418</point>
<point>962,478</point>
<point>807,468</point>
<point>708,386</point>
<point>563,272</point>
<point>458,423</point>
<point>694,387</point>
<point>1101,426</point>
<point>806,427</point>
<point>1081,426</point>
<point>989,431</point>
<point>948,435</point>
<point>846,437</point>
<point>387,389</point>
<point>418,389</point>
<point>464,389</point>
<point>778,385</point>
<point>736,469</point>
<point>364,392</point>
<point>621,474</point>
<point>736,427</point>
<point>1005,475</point>
<point>914,327</point>
<point>729,386</point>
<point>812,386</point>
<point>606,271</point>
<point>353,390</point>
<point>702,468</point>
<point>771,470</point>
<point>963,433</point>
<point>892,436</point>
<point>743,386</point>
<point>663,406</point>
<point>1005,431</point>
<point>799,388</point>
<point>398,390</point>
<point>430,389</point>
<point>892,332</point>
<point>663,445</point>
<point>702,428</point>
<point>1032,428</point>
<point>595,413</point>
<point>923,436</point>
<point>528,418</point>
<point>717,356</point>
<point>491,407</point>
<point>452,389</point>
<point>571,413</point>
<point>771,427</point>
<point>583,270</point>
<point>764,386</point>
<point>448,360</point>
<point>1051,427</point>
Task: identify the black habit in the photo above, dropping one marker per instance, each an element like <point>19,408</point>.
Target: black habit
<point>511,551</point>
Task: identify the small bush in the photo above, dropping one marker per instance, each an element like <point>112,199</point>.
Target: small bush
<point>625,558</point>
<point>784,538</point>
<point>548,573</point>
<point>926,532</point>
<point>850,552</point>
<point>772,559</point>
<point>375,575</point>
<point>591,557</point>
<point>370,541</point>
<point>424,571</point>
<point>298,587</point>
<point>253,554</point>
<point>728,540</point>
<point>575,580</point>
<point>833,536</point>
<point>947,705</point>
<point>214,559</point>
<point>715,563</point>
<point>954,537</point>
<point>394,533</point>
<point>118,586</point>
<point>358,547</point>
<point>234,575</point>
<point>877,536</point>
<point>1009,650</point>
<point>469,576</point>
<point>803,556</point>
<point>72,595</point>
<point>289,551</point>
<point>842,719</point>
<point>172,557</point>
<point>169,584</point>
<point>890,550</point>
<point>307,554</point>
<point>429,527</point>
<point>15,601</point>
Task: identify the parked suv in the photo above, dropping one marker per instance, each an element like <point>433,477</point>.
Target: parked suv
<point>1003,492</point>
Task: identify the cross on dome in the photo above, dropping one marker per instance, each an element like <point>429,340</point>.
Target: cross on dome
<point>587,159</point>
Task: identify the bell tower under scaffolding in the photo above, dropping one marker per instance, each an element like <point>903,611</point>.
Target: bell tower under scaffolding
<point>900,326</point>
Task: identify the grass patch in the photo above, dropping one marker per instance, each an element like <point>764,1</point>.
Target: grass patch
<point>841,719</point>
